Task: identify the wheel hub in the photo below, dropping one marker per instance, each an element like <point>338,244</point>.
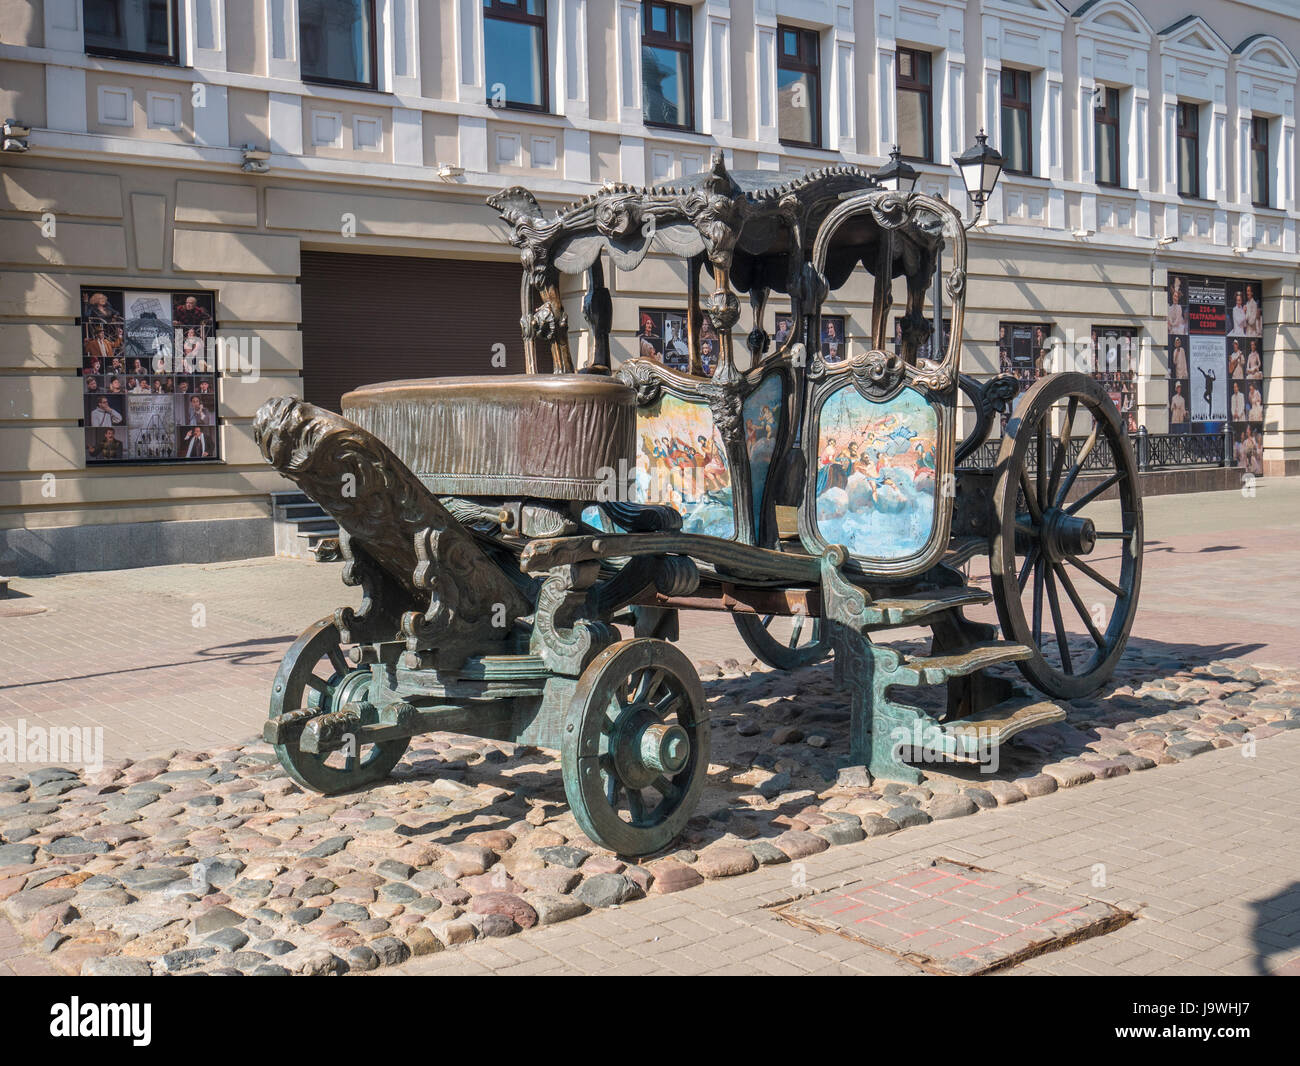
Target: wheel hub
<point>645,749</point>
<point>1064,534</point>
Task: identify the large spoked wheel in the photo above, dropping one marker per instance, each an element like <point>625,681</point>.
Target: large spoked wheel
<point>783,642</point>
<point>314,673</point>
<point>1066,564</point>
<point>636,746</point>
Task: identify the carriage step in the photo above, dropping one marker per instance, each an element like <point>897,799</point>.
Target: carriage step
<point>936,669</point>
<point>912,608</point>
<point>970,739</point>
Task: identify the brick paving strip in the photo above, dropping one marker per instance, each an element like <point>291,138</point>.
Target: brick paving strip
<point>955,919</point>
<point>215,861</point>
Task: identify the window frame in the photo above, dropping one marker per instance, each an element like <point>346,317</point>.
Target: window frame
<point>1257,146</point>
<point>1015,103</point>
<point>914,85</point>
<point>812,68</point>
<point>172,59</point>
<point>670,42</point>
<point>373,83</point>
<point>1188,132</point>
<point>505,11</point>
<point>1112,126</point>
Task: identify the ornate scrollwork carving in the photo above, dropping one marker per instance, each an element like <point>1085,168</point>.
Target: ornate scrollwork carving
<point>382,600</point>
<point>565,641</point>
<point>723,310</point>
<point>989,399</point>
<point>460,597</point>
<point>639,374</point>
<point>878,374</point>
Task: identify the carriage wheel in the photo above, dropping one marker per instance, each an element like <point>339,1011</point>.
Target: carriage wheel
<point>1064,562</point>
<point>783,642</point>
<point>636,746</point>
<point>314,673</point>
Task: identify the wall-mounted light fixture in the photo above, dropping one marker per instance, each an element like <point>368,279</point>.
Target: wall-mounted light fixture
<point>15,136</point>
<point>255,160</point>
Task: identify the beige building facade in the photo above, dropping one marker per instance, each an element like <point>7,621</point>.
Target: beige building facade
<point>335,226</point>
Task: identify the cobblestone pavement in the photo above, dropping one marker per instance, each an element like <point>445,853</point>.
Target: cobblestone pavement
<point>1215,887</point>
<point>217,861</point>
<point>176,793</point>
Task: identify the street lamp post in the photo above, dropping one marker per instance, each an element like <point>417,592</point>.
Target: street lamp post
<point>897,175</point>
<point>980,166</point>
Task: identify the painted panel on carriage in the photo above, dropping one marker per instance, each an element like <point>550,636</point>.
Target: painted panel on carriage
<point>681,462</point>
<point>762,413</point>
<point>876,473</point>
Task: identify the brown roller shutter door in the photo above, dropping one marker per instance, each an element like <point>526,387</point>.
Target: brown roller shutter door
<point>368,318</point>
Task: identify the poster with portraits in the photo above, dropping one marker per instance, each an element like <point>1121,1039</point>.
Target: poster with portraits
<point>1024,350</point>
<point>146,354</point>
<point>1216,360</point>
<point>925,348</point>
<point>662,335</point>
<point>1114,356</point>
<point>834,348</point>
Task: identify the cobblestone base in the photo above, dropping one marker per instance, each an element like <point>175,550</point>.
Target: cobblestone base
<point>216,861</point>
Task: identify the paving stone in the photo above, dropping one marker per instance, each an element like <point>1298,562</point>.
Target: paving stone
<point>905,816</point>
<point>1069,775</point>
<point>606,890</point>
<point>551,909</point>
<point>1187,749</point>
<point>564,855</point>
<point>841,832</point>
<point>725,861</point>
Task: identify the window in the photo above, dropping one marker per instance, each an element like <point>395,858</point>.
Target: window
<point>1259,168</point>
<point>514,53</point>
<point>1017,127</point>
<point>1188,129</point>
<point>1106,137</point>
<point>338,41</point>
<point>667,87</point>
<point>913,83</point>
<point>798,86</point>
<point>132,29</point>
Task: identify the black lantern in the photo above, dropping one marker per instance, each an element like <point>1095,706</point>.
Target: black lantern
<point>980,167</point>
<point>897,174</point>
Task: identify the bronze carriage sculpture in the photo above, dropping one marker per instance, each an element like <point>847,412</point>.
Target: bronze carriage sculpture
<point>502,528</point>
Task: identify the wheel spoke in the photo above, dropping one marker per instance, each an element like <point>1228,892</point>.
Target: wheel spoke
<point>1094,492</point>
<point>1040,468</point>
<point>670,791</point>
<point>665,704</point>
<point>1062,637</point>
<point>648,683</point>
<point>319,684</point>
<point>1027,529</point>
<point>1031,501</point>
<point>1059,499</point>
<point>337,659</point>
<point>1101,579</point>
<point>1028,564</point>
<point>1063,448</point>
<point>612,788</point>
<point>1079,605</point>
<point>796,630</point>
<point>767,620</point>
<point>1038,603</point>
<point>636,805</point>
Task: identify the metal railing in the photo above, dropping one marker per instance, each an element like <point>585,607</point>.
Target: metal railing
<point>1153,451</point>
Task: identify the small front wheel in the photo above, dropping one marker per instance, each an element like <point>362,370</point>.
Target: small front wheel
<point>636,746</point>
<point>315,674</point>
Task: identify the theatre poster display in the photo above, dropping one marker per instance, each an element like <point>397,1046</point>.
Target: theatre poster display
<point>661,334</point>
<point>148,376</point>
<point>1024,349</point>
<point>1216,361</point>
<point>923,351</point>
<point>1114,353</point>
